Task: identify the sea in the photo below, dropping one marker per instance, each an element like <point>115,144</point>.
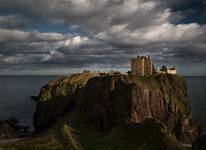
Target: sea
<point>15,93</point>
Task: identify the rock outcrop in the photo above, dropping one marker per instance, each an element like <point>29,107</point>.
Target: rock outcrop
<point>10,129</point>
<point>109,101</point>
<point>57,98</point>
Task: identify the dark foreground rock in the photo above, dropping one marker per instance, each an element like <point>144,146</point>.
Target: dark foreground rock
<point>10,129</point>
<point>34,98</point>
<point>199,143</point>
<point>91,111</point>
<point>111,100</point>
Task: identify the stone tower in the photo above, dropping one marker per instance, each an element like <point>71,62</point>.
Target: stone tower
<point>142,66</point>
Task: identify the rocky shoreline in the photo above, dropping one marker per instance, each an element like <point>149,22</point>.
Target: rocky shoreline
<point>10,129</point>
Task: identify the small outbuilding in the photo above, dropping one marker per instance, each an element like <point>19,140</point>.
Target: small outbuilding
<point>172,70</point>
<point>164,69</point>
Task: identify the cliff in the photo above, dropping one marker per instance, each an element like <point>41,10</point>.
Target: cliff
<point>57,98</point>
<point>92,111</point>
<point>111,100</point>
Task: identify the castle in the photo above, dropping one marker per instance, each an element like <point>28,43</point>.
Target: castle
<point>143,66</point>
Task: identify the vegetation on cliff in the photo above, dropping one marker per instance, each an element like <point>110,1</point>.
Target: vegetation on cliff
<point>10,128</point>
<point>92,111</point>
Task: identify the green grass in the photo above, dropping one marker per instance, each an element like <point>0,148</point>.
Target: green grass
<point>147,136</point>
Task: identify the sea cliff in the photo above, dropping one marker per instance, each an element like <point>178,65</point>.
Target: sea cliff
<point>113,111</point>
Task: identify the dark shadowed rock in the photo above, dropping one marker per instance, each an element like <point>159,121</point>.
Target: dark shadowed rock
<point>10,128</point>
<point>7,132</point>
<point>57,98</point>
<point>199,143</point>
<point>112,100</point>
<point>35,98</point>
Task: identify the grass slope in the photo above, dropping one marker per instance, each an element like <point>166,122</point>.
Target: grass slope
<point>76,133</point>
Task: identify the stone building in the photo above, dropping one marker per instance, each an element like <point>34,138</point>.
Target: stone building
<point>172,71</point>
<point>165,70</point>
<point>142,66</point>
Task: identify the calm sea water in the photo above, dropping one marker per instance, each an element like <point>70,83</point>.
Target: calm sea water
<point>15,92</point>
<point>197,95</point>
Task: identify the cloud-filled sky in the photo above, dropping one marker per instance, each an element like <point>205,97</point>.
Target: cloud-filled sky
<point>64,36</point>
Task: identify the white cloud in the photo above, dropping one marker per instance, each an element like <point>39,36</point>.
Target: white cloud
<point>166,32</point>
<point>7,35</point>
<point>114,31</point>
<point>96,15</point>
<point>76,41</point>
<point>53,54</point>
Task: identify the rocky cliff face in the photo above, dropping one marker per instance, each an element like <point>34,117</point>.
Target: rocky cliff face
<point>113,100</point>
<point>57,98</point>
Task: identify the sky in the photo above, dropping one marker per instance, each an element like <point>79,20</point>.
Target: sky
<point>47,37</point>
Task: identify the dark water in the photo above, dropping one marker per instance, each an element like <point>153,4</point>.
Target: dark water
<point>197,95</point>
<point>15,92</point>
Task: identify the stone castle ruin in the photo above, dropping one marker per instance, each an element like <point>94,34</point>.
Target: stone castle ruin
<point>143,66</point>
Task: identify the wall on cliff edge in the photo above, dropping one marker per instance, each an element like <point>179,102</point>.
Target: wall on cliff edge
<point>114,100</point>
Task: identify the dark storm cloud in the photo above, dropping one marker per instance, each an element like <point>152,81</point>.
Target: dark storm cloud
<point>12,22</point>
<point>193,10</point>
<point>93,14</point>
<point>20,42</point>
<point>112,32</point>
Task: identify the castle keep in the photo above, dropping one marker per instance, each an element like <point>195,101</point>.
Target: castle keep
<point>142,66</point>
